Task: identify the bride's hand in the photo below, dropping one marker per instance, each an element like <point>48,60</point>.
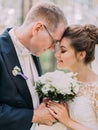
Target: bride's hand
<point>59,111</point>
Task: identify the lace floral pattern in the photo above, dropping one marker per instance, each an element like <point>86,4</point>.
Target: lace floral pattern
<point>92,91</point>
<point>84,108</point>
<point>95,100</point>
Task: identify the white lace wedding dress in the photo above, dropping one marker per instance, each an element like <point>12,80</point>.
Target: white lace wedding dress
<point>84,109</point>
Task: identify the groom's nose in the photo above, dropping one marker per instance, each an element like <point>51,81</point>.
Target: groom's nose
<point>52,47</point>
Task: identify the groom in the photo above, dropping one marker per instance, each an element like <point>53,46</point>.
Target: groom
<point>19,66</point>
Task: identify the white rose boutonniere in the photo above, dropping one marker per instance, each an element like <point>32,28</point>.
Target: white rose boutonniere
<point>17,71</point>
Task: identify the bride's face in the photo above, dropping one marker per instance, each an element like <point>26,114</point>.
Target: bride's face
<point>66,57</point>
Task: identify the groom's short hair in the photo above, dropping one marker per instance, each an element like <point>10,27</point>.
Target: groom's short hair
<point>50,13</point>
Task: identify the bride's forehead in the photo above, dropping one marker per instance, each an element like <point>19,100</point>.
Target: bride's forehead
<point>65,42</point>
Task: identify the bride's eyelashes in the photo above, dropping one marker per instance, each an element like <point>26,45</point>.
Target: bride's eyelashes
<point>63,51</point>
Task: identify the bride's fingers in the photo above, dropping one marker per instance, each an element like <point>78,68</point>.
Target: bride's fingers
<point>45,100</point>
<point>53,113</point>
<point>52,103</point>
<point>60,110</point>
<point>64,104</point>
<point>56,109</point>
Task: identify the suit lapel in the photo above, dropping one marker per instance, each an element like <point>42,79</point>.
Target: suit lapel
<point>11,60</point>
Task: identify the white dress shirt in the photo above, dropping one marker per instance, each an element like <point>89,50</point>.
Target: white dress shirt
<point>28,67</point>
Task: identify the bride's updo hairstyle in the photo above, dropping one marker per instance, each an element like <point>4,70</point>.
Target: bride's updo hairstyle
<point>83,38</point>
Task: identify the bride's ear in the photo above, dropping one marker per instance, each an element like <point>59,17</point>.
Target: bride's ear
<point>81,55</point>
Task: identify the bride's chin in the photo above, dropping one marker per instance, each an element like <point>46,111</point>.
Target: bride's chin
<point>60,66</point>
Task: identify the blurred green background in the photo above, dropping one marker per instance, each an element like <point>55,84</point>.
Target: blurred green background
<point>12,13</point>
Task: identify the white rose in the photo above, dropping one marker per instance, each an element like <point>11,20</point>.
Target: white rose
<point>76,89</point>
<point>17,68</point>
<point>66,91</point>
<point>46,88</point>
<point>14,72</point>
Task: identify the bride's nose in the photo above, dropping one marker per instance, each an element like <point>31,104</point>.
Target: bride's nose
<point>57,54</point>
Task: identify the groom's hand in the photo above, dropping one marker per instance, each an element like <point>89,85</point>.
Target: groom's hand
<point>43,116</point>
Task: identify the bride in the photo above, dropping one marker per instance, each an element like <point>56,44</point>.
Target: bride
<point>76,52</point>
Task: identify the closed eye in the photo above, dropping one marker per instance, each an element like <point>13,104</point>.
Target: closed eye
<point>63,51</point>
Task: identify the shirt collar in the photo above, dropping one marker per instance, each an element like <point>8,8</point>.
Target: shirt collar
<point>21,48</point>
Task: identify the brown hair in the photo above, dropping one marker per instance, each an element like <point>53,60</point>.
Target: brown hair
<point>47,12</point>
<point>83,38</point>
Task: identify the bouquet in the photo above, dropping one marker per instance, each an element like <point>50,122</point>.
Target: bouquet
<point>58,86</point>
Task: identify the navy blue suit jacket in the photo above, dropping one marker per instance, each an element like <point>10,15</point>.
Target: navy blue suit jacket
<point>16,108</point>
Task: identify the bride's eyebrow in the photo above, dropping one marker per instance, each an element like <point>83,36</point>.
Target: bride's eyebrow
<point>63,47</point>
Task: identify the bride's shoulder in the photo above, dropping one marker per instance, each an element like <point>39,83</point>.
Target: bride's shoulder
<point>95,77</point>
<point>88,88</point>
<point>94,90</point>
<point>94,84</point>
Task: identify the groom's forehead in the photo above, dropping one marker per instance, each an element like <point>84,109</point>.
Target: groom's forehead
<point>59,32</point>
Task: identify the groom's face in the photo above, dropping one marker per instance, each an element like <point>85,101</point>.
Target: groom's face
<point>43,39</point>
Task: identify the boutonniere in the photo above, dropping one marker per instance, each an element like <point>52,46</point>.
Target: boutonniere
<point>17,71</point>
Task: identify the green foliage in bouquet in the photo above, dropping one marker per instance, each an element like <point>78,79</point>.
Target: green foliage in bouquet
<point>54,94</point>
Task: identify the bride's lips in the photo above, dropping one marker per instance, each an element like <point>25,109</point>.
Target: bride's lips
<point>59,61</point>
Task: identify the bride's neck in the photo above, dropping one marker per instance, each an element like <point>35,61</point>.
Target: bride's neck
<point>85,74</point>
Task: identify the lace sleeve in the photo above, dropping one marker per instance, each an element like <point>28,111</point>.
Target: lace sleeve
<point>95,100</point>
